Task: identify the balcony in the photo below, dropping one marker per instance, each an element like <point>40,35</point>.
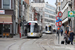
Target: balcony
<point>63,4</point>
<point>65,14</point>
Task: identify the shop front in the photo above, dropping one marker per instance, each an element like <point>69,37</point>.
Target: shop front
<point>5,25</point>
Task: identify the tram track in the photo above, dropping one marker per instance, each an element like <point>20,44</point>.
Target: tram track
<point>8,48</point>
<point>43,46</point>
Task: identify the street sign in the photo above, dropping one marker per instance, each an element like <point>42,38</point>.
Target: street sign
<point>57,23</point>
<point>57,17</point>
<point>58,20</point>
<point>60,14</point>
<point>71,13</point>
<point>60,23</point>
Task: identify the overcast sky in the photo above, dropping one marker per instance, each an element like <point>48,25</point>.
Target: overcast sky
<point>51,2</point>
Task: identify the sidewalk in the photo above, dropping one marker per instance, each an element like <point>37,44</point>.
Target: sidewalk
<point>18,36</point>
<point>68,46</point>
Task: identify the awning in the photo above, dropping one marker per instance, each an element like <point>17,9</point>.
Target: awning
<point>65,20</point>
<point>6,19</point>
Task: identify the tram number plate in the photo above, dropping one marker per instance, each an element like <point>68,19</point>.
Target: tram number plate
<point>31,33</point>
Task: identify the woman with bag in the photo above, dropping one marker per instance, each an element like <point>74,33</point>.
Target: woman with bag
<point>65,37</point>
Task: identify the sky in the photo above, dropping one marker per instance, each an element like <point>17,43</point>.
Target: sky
<point>51,2</point>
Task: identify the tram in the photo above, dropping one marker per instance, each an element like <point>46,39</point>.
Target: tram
<point>33,29</point>
<point>48,29</point>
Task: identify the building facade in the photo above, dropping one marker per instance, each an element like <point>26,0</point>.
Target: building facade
<point>38,1</point>
<point>47,14</point>
<point>7,17</point>
<point>67,5</point>
<point>24,15</point>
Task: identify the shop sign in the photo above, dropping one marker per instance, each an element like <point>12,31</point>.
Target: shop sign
<point>2,11</point>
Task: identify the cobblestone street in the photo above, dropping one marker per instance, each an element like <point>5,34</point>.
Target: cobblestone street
<point>46,42</point>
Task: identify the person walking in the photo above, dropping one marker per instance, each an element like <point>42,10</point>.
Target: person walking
<point>25,32</point>
<point>57,32</point>
<point>65,37</point>
<point>61,31</point>
<point>71,37</point>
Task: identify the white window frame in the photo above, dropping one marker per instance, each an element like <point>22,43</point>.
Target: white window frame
<point>9,6</point>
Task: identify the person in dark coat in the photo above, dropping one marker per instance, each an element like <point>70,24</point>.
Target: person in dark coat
<point>25,32</point>
<point>58,32</point>
<point>61,31</point>
<point>71,37</point>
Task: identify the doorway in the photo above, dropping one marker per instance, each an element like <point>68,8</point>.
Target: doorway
<point>1,29</point>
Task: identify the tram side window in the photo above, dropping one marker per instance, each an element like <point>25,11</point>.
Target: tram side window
<point>28,27</point>
<point>46,28</point>
<point>49,28</point>
<point>36,28</point>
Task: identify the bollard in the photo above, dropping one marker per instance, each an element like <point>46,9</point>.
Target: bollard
<point>20,35</point>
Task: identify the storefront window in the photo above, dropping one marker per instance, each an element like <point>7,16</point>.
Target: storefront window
<point>6,28</point>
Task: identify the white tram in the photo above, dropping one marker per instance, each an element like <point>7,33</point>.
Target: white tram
<point>33,29</point>
<point>48,29</point>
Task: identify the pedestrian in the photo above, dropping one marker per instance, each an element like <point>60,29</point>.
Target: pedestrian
<point>71,37</point>
<point>65,37</point>
<point>25,32</point>
<point>58,32</point>
<point>61,31</point>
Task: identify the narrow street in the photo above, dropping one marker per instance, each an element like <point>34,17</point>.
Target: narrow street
<point>46,42</point>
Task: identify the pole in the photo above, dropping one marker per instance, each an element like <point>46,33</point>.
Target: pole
<point>32,16</point>
<point>3,29</point>
<point>59,29</point>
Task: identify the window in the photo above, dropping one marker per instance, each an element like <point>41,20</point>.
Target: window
<point>6,28</point>
<point>50,7</point>
<point>6,4</point>
<point>48,11</point>
<point>28,27</point>
<point>46,28</point>
<point>49,21</point>
<point>49,28</point>
<point>50,16</point>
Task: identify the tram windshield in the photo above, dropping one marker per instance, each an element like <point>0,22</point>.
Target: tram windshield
<point>32,27</point>
<point>48,28</point>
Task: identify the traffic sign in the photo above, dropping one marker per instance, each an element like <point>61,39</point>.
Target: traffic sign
<point>57,17</point>
<point>58,20</point>
<point>57,23</point>
<point>60,14</point>
<point>60,23</point>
